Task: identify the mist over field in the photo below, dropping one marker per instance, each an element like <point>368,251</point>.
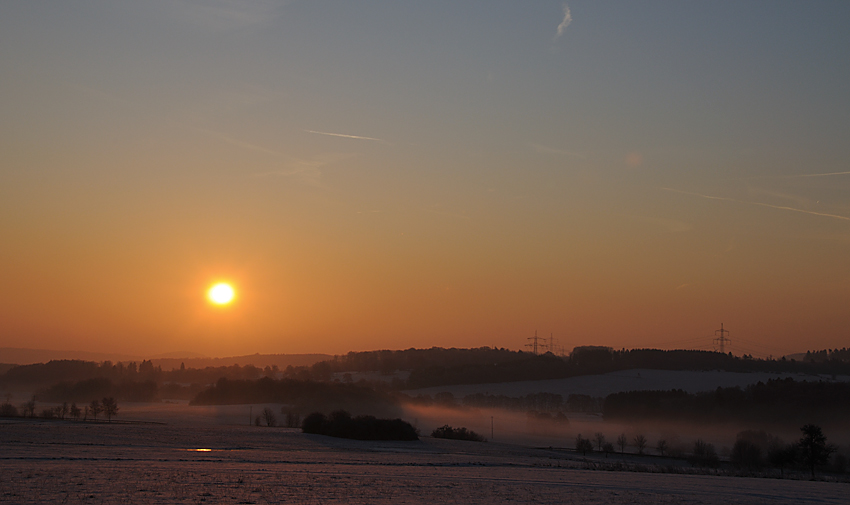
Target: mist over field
<point>476,251</point>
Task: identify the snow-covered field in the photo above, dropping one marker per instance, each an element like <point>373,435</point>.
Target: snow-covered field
<point>199,456</point>
<point>627,380</point>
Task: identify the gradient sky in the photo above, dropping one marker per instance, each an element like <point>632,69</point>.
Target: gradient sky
<point>385,174</point>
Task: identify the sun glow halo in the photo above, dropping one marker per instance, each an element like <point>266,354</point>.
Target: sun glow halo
<point>221,293</point>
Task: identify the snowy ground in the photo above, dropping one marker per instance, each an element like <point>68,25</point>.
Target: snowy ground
<point>215,462</point>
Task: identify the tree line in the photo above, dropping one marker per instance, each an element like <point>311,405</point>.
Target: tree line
<point>752,450</point>
<point>108,406</point>
<point>302,395</point>
<point>779,399</point>
<point>428,367</point>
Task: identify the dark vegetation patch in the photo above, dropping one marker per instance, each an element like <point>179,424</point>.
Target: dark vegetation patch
<point>131,391</point>
<point>780,399</point>
<point>340,424</point>
<point>428,367</point>
<point>447,431</point>
<point>304,396</point>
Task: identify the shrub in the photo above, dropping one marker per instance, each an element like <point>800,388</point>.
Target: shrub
<point>447,431</point>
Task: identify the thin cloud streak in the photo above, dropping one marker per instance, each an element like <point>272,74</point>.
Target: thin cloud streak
<point>345,136</point>
<point>794,176</point>
<point>237,142</point>
<point>568,18</point>
<point>780,207</point>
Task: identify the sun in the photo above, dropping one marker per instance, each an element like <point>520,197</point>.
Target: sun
<point>221,293</point>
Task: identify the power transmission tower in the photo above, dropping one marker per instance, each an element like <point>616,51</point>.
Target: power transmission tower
<point>533,345</point>
<point>553,346</point>
<point>722,340</point>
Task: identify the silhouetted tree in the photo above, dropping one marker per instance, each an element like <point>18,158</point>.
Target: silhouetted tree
<point>607,448</point>
<point>661,447</point>
<point>746,454</point>
<point>95,409</point>
<point>110,407</point>
<point>583,445</point>
<point>600,440</point>
<point>293,419</point>
<point>704,454</point>
<point>640,443</point>
<point>63,410</point>
<point>75,412</point>
<point>621,442</point>
<point>782,456</point>
<point>269,417</point>
<point>8,410</point>
<point>813,447</point>
<point>29,408</point>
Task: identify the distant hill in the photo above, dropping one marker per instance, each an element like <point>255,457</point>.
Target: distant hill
<point>22,356</point>
<point>258,360</point>
<point>168,361</point>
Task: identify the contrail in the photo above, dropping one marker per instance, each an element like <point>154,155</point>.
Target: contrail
<point>345,136</point>
<point>780,207</point>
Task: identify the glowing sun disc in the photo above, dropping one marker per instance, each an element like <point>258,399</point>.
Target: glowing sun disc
<point>221,294</point>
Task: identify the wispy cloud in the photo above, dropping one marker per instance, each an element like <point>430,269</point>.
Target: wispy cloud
<point>551,150</point>
<point>793,176</point>
<point>568,18</point>
<point>238,142</point>
<point>780,207</point>
<point>308,171</point>
<point>358,137</point>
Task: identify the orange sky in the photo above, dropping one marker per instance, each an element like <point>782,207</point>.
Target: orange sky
<point>634,178</point>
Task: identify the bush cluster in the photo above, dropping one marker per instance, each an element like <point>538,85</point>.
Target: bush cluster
<point>340,424</point>
<point>447,431</point>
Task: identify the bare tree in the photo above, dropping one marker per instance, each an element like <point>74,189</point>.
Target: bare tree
<point>622,441</point>
<point>110,407</point>
<point>293,419</point>
<point>75,412</point>
<point>29,408</point>
<point>661,447</point>
<point>269,417</point>
<point>583,445</point>
<point>600,440</point>
<point>95,408</point>
<point>640,443</point>
<point>63,411</point>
